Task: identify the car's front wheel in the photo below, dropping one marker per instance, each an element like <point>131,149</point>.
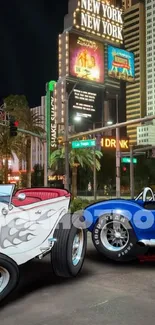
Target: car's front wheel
<point>114,237</point>
<point>69,250</point>
<point>9,276</point>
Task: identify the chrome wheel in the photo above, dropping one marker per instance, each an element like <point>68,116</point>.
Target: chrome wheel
<point>77,247</point>
<point>114,236</point>
<point>4,278</point>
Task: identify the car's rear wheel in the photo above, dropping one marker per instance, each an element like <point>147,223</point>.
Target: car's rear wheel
<point>9,276</point>
<point>69,250</point>
<point>114,237</point>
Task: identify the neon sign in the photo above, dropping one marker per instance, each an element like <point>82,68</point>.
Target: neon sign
<point>100,18</point>
<point>56,178</point>
<point>111,143</point>
<point>53,125</point>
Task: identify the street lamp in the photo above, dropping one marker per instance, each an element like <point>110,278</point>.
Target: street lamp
<point>109,122</point>
<point>77,118</point>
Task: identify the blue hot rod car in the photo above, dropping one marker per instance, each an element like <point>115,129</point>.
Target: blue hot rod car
<point>123,230</point>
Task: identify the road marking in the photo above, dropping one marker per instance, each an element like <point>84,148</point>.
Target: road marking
<point>99,304</point>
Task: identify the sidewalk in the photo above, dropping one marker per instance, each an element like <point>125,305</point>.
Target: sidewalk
<point>106,197</point>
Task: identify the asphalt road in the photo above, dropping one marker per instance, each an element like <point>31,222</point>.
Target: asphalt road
<point>105,293</point>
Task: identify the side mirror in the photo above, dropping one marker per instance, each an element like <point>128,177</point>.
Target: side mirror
<point>21,196</point>
<point>10,207</point>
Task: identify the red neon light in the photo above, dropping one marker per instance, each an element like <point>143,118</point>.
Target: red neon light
<point>16,123</point>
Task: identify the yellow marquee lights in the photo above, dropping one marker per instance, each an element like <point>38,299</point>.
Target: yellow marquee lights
<point>60,55</point>
<point>99,18</point>
<point>67,53</point>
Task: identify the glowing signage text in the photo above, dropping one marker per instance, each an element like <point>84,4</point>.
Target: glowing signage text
<point>56,178</point>
<point>111,143</point>
<point>53,125</point>
<point>101,18</point>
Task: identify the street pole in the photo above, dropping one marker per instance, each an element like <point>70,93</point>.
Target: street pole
<point>45,164</point>
<point>66,144</point>
<point>118,190</point>
<point>113,127</point>
<point>131,173</point>
<point>94,170</point>
<point>66,136</point>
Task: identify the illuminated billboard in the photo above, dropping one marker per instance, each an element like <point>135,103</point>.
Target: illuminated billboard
<point>86,59</point>
<point>85,106</point>
<point>99,18</point>
<point>84,103</point>
<point>121,64</point>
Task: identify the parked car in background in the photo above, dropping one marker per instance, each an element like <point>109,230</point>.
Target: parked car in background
<point>123,230</point>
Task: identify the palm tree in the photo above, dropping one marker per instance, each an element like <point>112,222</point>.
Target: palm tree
<point>77,157</point>
<point>17,106</point>
<point>7,147</point>
<point>30,122</point>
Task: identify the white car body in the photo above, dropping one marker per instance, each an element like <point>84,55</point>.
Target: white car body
<point>26,231</point>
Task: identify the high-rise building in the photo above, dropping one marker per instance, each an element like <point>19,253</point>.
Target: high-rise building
<point>126,4</point>
<point>134,41</point>
<point>146,133</point>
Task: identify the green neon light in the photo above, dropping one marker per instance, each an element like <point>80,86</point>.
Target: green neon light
<point>48,125</point>
<point>51,85</point>
<point>49,92</point>
<point>128,160</point>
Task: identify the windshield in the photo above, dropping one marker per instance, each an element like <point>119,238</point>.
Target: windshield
<point>6,192</point>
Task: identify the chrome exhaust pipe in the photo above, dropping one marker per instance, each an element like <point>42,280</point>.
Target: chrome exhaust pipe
<point>147,242</point>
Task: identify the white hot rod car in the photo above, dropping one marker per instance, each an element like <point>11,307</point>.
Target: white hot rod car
<point>33,223</point>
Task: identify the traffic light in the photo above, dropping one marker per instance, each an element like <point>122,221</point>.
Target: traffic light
<point>124,169</point>
<point>13,127</point>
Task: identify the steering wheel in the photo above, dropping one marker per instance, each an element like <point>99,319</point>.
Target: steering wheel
<point>144,194</point>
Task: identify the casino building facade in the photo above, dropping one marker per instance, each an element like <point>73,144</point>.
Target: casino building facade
<point>93,70</point>
<point>86,72</point>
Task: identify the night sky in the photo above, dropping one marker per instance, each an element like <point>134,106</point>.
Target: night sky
<point>28,53</point>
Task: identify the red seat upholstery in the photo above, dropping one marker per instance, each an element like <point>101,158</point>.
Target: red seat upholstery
<point>38,194</point>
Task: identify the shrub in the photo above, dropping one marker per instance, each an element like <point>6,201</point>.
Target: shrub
<point>79,204</point>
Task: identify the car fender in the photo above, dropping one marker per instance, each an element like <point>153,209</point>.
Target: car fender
<point>141,220</point>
